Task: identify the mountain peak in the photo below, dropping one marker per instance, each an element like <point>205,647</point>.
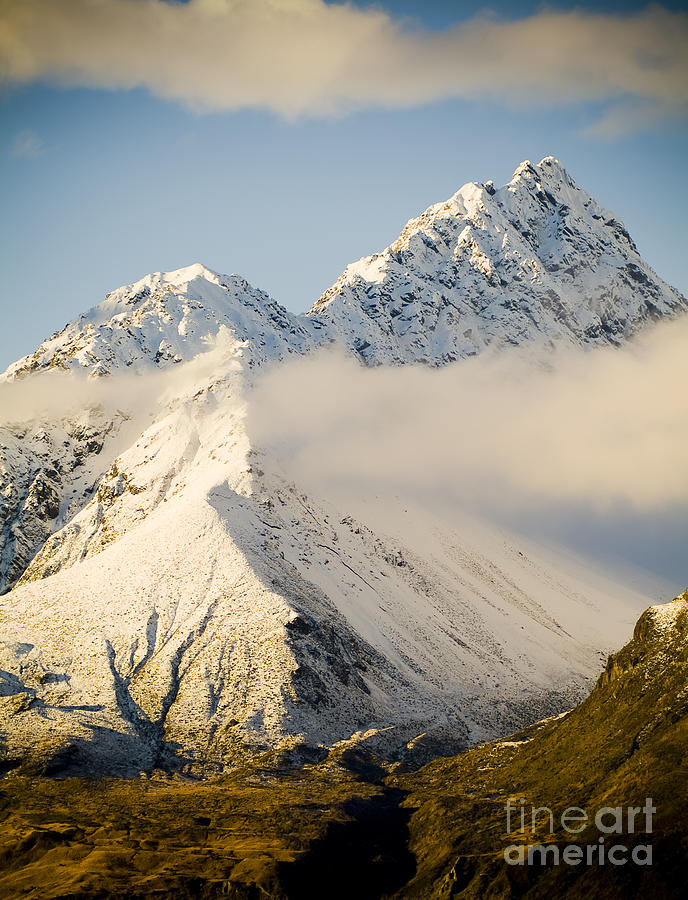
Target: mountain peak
<point>188,273</point>
<point>526,167</point>
<point>169,317</point>
<point>548,165</point>
<point>138,290</point>
<point>537,261</point>
<point>549,172</point>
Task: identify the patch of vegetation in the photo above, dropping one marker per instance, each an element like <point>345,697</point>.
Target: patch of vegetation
<point>351,826</point>
<point>626,742</point>
<point>168,837</point>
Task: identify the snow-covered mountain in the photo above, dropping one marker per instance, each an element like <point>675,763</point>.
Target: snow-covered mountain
<point>537,261</point>
<point>176,600</point>
<point>49,469</point>
<point>166,318</point>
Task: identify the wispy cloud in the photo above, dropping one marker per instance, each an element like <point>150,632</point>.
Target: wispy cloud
<point>54,394</point>
<point>597,428</point>
<point>27,144</point>
<point>310,57</point>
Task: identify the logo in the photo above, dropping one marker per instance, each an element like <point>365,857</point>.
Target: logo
<point>610,821</point>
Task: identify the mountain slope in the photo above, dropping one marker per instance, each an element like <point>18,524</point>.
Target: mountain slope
<point>201,609</point>
<point>625,743</point>
<point>50,469</point>
<point>536,262</point>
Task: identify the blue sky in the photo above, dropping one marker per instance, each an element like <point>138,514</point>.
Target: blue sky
<point>101,186</point>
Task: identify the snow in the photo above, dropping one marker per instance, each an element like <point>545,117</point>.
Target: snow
<point>664,615</point>
<point>369,268</point>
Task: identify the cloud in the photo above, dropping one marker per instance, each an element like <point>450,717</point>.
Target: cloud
<point>594,429</point>
<point>27,144</point>
<point>310,57</point>
<point>52,395</point>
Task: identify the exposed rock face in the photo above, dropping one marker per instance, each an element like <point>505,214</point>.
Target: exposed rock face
<point>48,471</point>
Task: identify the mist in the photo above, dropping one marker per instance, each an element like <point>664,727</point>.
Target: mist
<point>586,447</point>
<point>55,394</point>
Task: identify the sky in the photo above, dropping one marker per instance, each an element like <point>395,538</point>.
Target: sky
<point>283,139</point>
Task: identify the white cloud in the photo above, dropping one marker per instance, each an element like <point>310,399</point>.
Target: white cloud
<point>27,144</point>
<point>597,429</point>
<point>53,394</point>
<point>310,57</point>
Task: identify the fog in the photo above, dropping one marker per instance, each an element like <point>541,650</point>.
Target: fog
<point>590,448</point>
<point>54,394</point>
<point>586,449</point>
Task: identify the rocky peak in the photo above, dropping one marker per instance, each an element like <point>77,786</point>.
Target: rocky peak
<point>537,261</point>
<point>166,318</point>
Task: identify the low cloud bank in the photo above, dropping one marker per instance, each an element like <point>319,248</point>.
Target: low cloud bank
<point>310,57</point>
<point>52,395</point>
<point>585,449</point>
<point>597,429</point>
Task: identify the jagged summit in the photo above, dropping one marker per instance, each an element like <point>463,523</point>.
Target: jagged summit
<point>548,170</point>
<point>551,163</point>
<point>169,317</point>
<point>537,261</point>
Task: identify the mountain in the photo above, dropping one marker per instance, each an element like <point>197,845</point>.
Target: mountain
<point>176,602</point>
<point>49,470</point>
<point>535,262</point>
<point>354,825</point>
<point>169,317</point>
<point>625,743</point>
